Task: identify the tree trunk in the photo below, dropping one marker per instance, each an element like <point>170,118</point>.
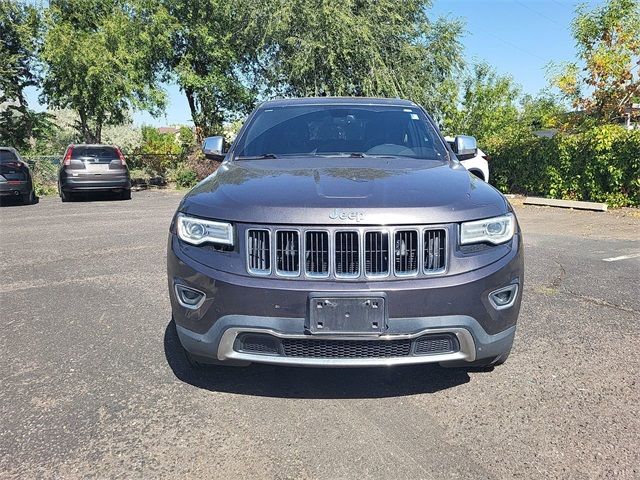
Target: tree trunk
<point>194,113</point>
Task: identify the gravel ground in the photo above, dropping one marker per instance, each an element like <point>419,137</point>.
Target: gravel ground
<point>93,384</point>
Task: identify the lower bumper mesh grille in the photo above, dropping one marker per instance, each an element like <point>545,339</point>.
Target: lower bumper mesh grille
<point>265,344</point>
<point>429,344</point>
<point>346,348</point>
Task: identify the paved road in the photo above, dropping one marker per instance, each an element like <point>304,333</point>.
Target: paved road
<point>92,384</point>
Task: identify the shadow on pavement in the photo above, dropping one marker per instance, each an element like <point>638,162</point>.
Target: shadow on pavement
<point>16,202</point>
<point>327,383</point>
<point>87,197</point>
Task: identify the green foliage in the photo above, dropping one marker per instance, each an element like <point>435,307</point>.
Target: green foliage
<point>44,172</point>
<point>184,177</point>
<point>358,48</point>
<point>19,33</point>
<point>100,59</point>
<point>540,112</point>
<point>488,104</point>
<point>599,164</point>
<point>155,142</point>
<point>608,43</point>
<point>187,139</point>
<point>158,153</point>
<point>208,47</point>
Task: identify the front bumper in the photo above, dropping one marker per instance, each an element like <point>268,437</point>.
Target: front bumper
<point>456,305</point>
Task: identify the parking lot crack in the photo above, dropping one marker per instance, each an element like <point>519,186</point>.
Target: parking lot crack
<point>600,302</point>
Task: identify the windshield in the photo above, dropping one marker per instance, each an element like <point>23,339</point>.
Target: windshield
<point>95,153</point>
<point>337,130</point>
<point>7,156</point>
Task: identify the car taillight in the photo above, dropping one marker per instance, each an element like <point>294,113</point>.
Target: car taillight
<point>121,156</point>
<point>67,156</point>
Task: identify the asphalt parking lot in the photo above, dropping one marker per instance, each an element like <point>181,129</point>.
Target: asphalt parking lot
<point>94,386</point>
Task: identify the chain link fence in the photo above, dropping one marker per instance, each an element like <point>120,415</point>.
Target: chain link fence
<point>145,168</point>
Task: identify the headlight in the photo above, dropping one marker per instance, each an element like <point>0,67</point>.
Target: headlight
<point>197,231</point>
<point>494,230</point>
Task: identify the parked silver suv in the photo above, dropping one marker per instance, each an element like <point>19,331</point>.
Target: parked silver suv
<point>93,168</point>
<point>344,232</point>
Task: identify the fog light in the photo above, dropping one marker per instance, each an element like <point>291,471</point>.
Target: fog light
<point>189,297</point>
<point>504,297</point>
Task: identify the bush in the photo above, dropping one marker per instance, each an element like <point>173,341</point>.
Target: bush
<point>185,177</point>
<point>202,166</point>
<point>599,164</point>
<point>44,172</point>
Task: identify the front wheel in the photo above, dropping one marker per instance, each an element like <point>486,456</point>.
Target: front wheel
<point>125,195</point>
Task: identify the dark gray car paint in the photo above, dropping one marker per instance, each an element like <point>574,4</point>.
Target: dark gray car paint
<point>342,191</point>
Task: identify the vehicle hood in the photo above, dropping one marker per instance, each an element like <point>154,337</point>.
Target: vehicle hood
<point>338,190</point>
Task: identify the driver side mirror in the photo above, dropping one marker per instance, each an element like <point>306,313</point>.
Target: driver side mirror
<point>465,147</point>
<point>213,148</point>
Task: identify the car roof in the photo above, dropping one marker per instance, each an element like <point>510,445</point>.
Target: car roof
<point>286,102</point>
<point>93,145</point>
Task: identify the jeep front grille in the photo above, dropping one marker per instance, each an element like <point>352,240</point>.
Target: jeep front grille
<point>258,252</point>
<point>434,250</point>
<point>287,252</point>
<point>316,253</point>
<point>347,247</point>
<point>376,253</point>
<point>339,253</point>
<point>406,252</point>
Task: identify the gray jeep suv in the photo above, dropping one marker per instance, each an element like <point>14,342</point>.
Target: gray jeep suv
<point>343,232</point>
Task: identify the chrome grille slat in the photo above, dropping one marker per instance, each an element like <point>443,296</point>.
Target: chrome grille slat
<point>339,253</point>
<point>434,250</point>
<point>317,253</point>
<point>287,252</point>
<point>376,253</point>
<point>259,251</point>
<point>347,257</point>
<point>406,252</point>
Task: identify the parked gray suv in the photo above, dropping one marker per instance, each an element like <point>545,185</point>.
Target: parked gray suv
<point>93,168</point>
<point>343,232</point>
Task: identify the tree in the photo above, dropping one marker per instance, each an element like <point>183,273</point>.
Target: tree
<point>208,50</point>
<point>101,59</point>
<point>541,111</point>
<point>607,77</point>
<point>358,48</point>
<point>488,104</point>
<point>19,29</point>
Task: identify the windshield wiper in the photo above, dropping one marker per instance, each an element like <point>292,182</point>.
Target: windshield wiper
<point>258,157</point>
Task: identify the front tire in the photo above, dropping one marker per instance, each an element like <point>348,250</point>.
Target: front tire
<point>125,195</point>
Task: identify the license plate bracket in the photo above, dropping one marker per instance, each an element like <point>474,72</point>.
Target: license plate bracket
<point>347,315</point>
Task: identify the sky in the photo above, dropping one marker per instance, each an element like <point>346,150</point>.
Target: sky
<point>517,37</point>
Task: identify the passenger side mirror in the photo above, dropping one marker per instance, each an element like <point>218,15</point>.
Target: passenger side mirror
<point>465,147</point>
<point>213,148</point>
